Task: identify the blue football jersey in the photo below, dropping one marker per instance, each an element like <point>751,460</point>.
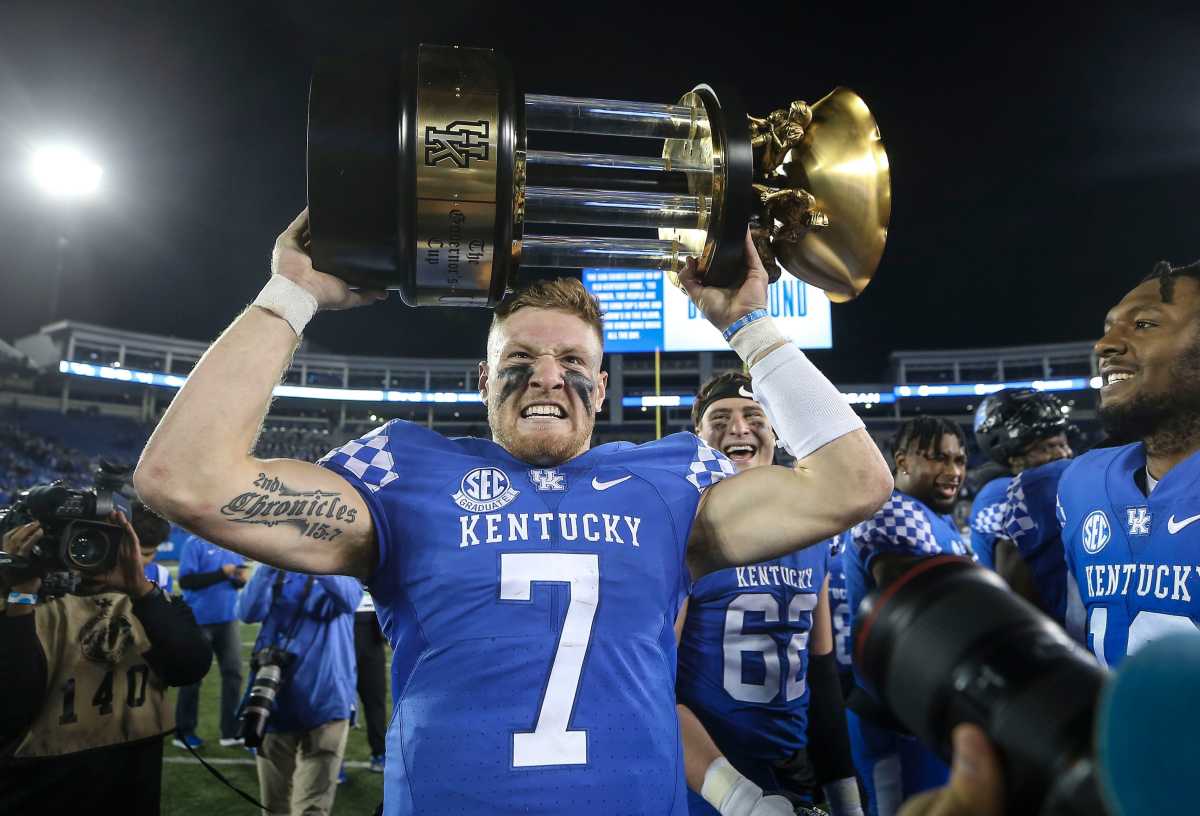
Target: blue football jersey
<point>987,519</point>
<point>903,526</point>
<point>839,608</point>
<point>531,612</point>
<point>1031,522</point>
<point>1135,559</point>
<point>743,654</point>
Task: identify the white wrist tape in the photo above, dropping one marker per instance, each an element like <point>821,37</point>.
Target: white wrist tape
<point>727,790</point>
<point>842,796</point>
<point>289,300</point>
<point>755,337</point>
<point>805,408</point>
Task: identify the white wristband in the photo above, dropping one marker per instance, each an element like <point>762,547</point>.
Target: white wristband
<point>755,337</point>
<point>726,789</point>
<point>289,300</point>
<point>805,407</point>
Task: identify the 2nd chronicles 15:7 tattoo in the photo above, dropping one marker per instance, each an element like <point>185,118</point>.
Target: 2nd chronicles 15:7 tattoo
<point>275,503</point>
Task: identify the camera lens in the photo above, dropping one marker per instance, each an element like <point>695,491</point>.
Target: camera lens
<point>948,642</point>
<point>87,548</point>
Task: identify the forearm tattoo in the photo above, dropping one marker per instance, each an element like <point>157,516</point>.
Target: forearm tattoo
<point>272,502</point>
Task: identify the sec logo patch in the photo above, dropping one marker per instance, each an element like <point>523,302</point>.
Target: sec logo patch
<point>1096,532</point>
<point>484,490</point>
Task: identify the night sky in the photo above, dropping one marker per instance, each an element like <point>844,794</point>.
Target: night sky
<point>1041,161</point>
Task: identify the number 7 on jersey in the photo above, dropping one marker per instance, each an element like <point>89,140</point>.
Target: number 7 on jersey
<point>550,743</point>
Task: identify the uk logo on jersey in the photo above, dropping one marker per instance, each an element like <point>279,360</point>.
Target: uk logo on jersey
<point>548,480</point>
<point>485,489</point>
<point>1096,532</point>
<point>1138,519</point>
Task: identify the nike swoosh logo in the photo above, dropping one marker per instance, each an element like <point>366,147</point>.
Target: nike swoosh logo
<point>747,394</point>
<point>598,485</point>
<point>1174,526</point>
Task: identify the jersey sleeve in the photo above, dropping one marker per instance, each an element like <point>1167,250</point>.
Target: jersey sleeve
<point>708,466</point>
<point>1031,512</point>
<point>900,527</point>
<point>369,465</point>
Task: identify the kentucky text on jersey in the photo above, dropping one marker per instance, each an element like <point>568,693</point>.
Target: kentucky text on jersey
<point>497,528</point>
<point>775,575</point>
<point>1135,562</point>
<point>1158,580</point>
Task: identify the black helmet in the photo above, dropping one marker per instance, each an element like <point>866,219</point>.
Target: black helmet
<point>1009,421</point>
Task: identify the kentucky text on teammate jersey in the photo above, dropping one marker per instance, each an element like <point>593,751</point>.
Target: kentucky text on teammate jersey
<point>1135,558</point>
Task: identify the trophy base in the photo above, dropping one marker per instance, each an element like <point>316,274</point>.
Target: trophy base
<point>411,174</point>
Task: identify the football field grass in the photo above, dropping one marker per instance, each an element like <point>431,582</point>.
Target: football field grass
<point>189,789</point>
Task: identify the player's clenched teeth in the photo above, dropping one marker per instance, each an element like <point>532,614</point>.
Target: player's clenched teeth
<point>1111,377</point>
<point>544,410</point>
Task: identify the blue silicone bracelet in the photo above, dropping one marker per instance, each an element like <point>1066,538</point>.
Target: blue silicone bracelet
<point>743,322</point>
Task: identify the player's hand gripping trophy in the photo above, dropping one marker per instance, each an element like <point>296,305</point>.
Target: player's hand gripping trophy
<point>446,212</point>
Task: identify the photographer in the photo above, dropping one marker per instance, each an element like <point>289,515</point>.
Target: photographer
<point>85,677</point>
<point>211,577</point>
<point>308,633</point>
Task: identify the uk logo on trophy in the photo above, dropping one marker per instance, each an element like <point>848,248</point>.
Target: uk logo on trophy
<point>458,143</point>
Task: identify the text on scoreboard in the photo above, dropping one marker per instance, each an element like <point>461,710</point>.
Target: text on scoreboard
<point>643,313</point>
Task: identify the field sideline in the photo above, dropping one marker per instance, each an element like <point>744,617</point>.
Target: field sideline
<point>190,790</point>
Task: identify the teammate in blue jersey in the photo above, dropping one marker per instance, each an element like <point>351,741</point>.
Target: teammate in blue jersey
<point>931,462</point>
<point>839,612</point>
<point>1031,529</point>
<point>758,686</point>
<point>1019,428</point>
<point>529,585</point>
<point>1129,514</point>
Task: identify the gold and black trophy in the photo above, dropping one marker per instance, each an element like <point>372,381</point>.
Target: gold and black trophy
<point>420,179</point>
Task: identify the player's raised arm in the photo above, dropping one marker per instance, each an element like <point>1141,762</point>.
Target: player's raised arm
<point>198,469</point>
<point>840,478</point>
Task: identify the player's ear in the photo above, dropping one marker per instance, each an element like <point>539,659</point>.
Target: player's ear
<point>601,390</point>
<point>483,379</point>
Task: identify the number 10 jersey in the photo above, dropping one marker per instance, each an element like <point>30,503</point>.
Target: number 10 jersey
<point>531,615</point>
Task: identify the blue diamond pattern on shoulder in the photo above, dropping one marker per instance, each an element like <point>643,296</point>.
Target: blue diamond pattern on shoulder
<point>367,458</point>
<point>1017,520</point>
<point>990,520</point>
<point>708,467</point>
<point>900,521</point>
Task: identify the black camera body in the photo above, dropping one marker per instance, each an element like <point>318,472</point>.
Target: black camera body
<point>948,642</point>
<point>270,666</point>
<point>77,537</point>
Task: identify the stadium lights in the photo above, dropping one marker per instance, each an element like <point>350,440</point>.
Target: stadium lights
<point>63,172</point>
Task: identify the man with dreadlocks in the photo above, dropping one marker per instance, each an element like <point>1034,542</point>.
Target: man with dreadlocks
<point>930,464</point>
<point>1129,514</point>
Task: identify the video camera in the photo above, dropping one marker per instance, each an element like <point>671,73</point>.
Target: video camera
<point>78,539</point>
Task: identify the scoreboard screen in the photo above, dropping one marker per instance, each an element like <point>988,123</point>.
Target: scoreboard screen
<point>642,312</point>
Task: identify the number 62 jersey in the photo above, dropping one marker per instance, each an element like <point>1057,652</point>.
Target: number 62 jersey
<point>531,612</point>
<point>1135,559</point>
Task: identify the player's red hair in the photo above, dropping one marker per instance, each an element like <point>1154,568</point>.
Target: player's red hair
<point>562,294</point>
